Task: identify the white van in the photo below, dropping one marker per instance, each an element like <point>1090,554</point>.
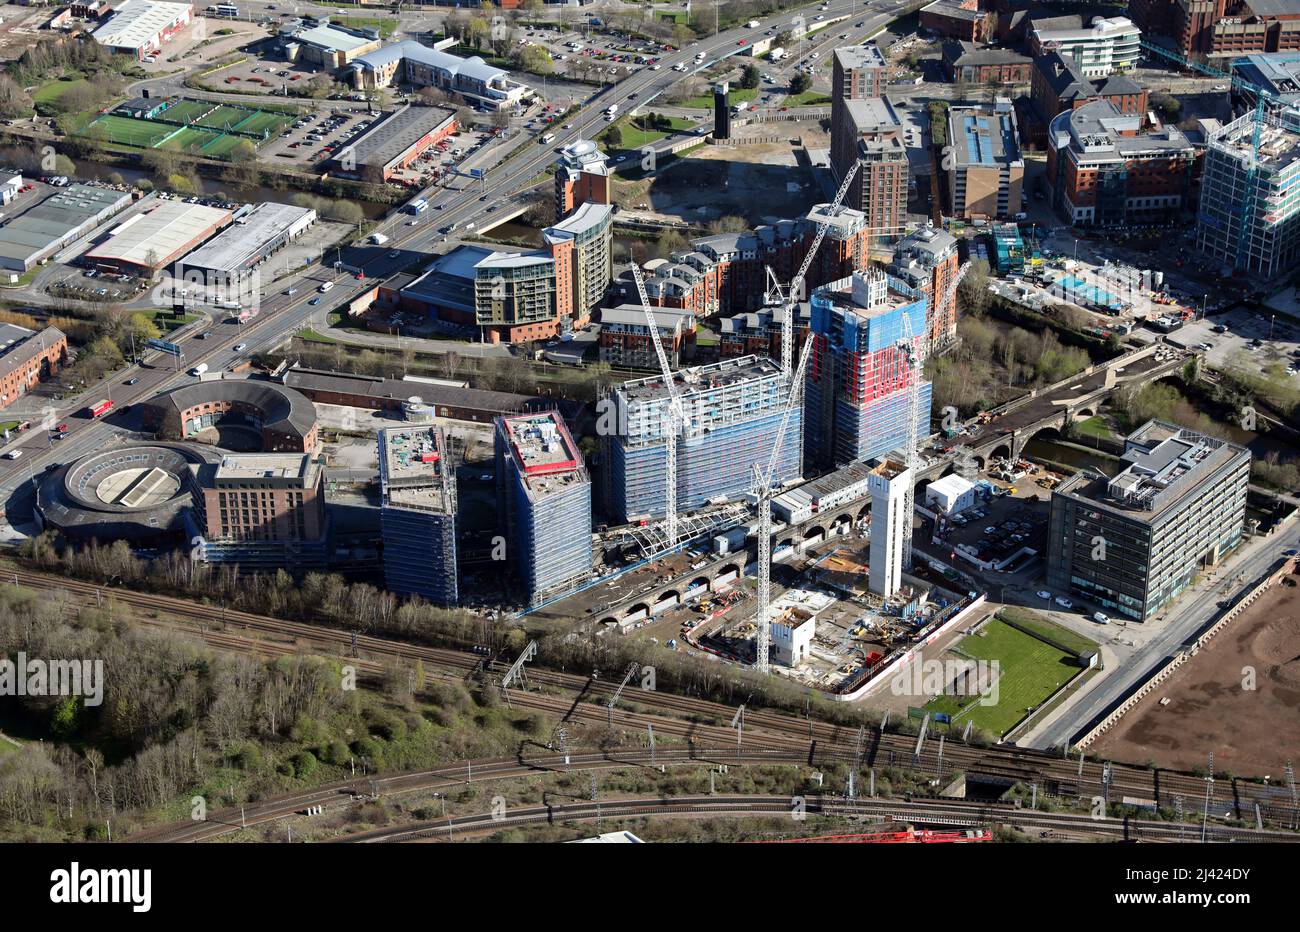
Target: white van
<point>199,369</point>
<point>1101,618</point>
<point>325,286</point>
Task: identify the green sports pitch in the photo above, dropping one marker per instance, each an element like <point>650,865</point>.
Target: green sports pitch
<point>195,126</point>
<point>1030,670</point>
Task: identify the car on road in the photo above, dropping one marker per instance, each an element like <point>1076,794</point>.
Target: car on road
<point>1043,594</point>
<point>314,301</point>
<point>62,428</point>
<point>394,254</point>
<point>1290,553</point>
<point>14,454</point>
<point>1064,602</point>
<point>290,292</point>
<point>132,381</point>
<point>240,347</point>
<point>202,336</point>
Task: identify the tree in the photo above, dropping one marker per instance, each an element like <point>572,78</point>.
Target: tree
<point>142,327</point>
<point>536,60</point>
<point>749,76</point>
<point>614,137</point>
<point>973,292</point>
<point>800,83</point>
<point>14,101</point>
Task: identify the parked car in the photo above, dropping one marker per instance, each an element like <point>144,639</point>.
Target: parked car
<point>1064,602</point>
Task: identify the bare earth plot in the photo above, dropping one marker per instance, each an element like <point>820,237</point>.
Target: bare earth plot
<point>1252,733</point>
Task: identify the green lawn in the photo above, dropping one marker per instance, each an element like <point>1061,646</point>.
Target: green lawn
<point>311,336</point>
<point>51,91</point>
<point>634,136</point>
<point>807,99</point>
<point>1030,670</point>
<point>129,132</point>
<point>1094,427</point>
<point>1045,627</point>
<point>735,96</point>
<point>386,26</point>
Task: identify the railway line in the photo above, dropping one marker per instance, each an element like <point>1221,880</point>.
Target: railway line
<point>693,719</point>
<point>927,813</point>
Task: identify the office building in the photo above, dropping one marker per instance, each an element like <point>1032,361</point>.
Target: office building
<point>1277,74</point>
<point>324,44</point>
<point>410,62</point>
<point>260,510</point>
<point>958,19</point>
<point>966,63</point>
<point>1221,29</point>
<point>856,402</point>
<point>927,261</point>
<point>986,172</point>
<point>1134,542</point>
<point>1105,171</point>
<point>546,502</point>
<point>889,483</point>
<point>1101,48</point>
<point>733,410</point>
<point>417,513</point>
<point>1249,211</point>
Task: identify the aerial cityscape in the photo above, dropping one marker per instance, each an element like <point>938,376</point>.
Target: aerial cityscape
<point>664,422</point>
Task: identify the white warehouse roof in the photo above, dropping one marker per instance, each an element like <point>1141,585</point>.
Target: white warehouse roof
<point>137,22</point>
<point>951,486</point>
<point>167,231</point>
<point>247,241</point>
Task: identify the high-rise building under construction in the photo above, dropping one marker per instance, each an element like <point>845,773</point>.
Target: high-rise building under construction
<point>417,513</point>
<point>856,402</point>
<point>546,502</point>
<point>733,410</point>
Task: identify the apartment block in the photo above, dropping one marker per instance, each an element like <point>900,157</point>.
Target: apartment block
<point>985,171</point>
<point>625,337</point>
<point>1102,47</point>
<point>545,494</point>
<point>856,404</point>
<point>868,130</point>
<point>927,261</point>
<point>1220,29</point>
<point>857,73</point>
<point>759,333</point>
<point>261,510</point>
<point>1133,543</point>
<point>417,513</point>
<point>1105,171</point>
<point>28,358</point>
<point>733,410</point>
<point>958,19</point>
<point>1249,211</point>
<point>581,177</point>
<point>726,273</point>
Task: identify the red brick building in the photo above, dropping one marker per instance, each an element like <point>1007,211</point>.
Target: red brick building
<point>27,358</point>
<point>1058,84</point>
<point>1221,28</point>
<point>963,62</point>
<point>958,19</point>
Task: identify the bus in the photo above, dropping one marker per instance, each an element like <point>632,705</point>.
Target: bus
<point>417,206</point>
<point>547,139</point>
<point>224,9</point>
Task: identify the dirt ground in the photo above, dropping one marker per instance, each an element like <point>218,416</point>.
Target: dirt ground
<point>1252,733</point>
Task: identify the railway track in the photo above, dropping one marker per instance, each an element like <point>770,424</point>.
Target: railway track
<point>687,717</point>
<point>926,813</point>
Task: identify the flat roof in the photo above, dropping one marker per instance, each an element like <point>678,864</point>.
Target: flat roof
<point>165,231</point>
<point>246,241</point>
<point>56,217</point>
<point>246,467</point>
<point>137,22</point>
<point>545,456</point>
<point>860,56</point>
<point>668,318</point>
<point>700,379</point>
<point>333,38</point>
<point>413,468</point>
<point>983,136</point>
<point>389,139</point>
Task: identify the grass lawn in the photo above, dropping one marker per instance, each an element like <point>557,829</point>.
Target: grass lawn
<point>1045,627</point>
<point>386,26</point>
<point>735,96</point>
<point>1030,670</point>
<point>311,336</point>
<point>807,99</point>
<point>51,91</point>
<point>129,132</point>
<point>1094,427</point>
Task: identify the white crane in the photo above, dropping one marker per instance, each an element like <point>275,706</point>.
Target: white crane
<point>789,298</point>
<point>763,492</point>
<point>915,352</point>
<point>676,414</point>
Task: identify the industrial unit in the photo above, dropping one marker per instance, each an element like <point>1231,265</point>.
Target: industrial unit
<point>139,27</point>
<point>417,513</point>
<point>393,142</point>
<point>261,511</point>
<point>233,253</point>
<point>733,410</point>
<point>545,495</point>
<point>60,219</point>
<point>1249,212</point>
<point>856,404</point>
<point>324,44</point>
<point>157,236</point>
<point>1134,542</point>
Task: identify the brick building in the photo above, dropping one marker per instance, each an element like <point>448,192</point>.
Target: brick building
<point>581,176</point>
<point>27,357</point>
<point>958,19</point>
<point>1058,84</point>
<point>1221,28</point>
<point>964,62</point>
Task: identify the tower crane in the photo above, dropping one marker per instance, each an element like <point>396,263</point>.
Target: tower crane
<point>676,415</point>
<point>788,298</point>
<point>915,351</point>
<point>763,493</point>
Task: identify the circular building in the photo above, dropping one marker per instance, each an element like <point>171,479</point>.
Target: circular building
<point>284,419</point>
<point>136,493</point>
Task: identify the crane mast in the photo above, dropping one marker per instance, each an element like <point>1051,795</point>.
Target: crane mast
<point>676,414</point>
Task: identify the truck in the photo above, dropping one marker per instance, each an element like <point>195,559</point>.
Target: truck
<point>100,408</point>
<point>611,110</point>
<point>753,24</point>
<point>778,53</point>
<point>417,206</point>
<point>199,369</point>
<point>378,239</point>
